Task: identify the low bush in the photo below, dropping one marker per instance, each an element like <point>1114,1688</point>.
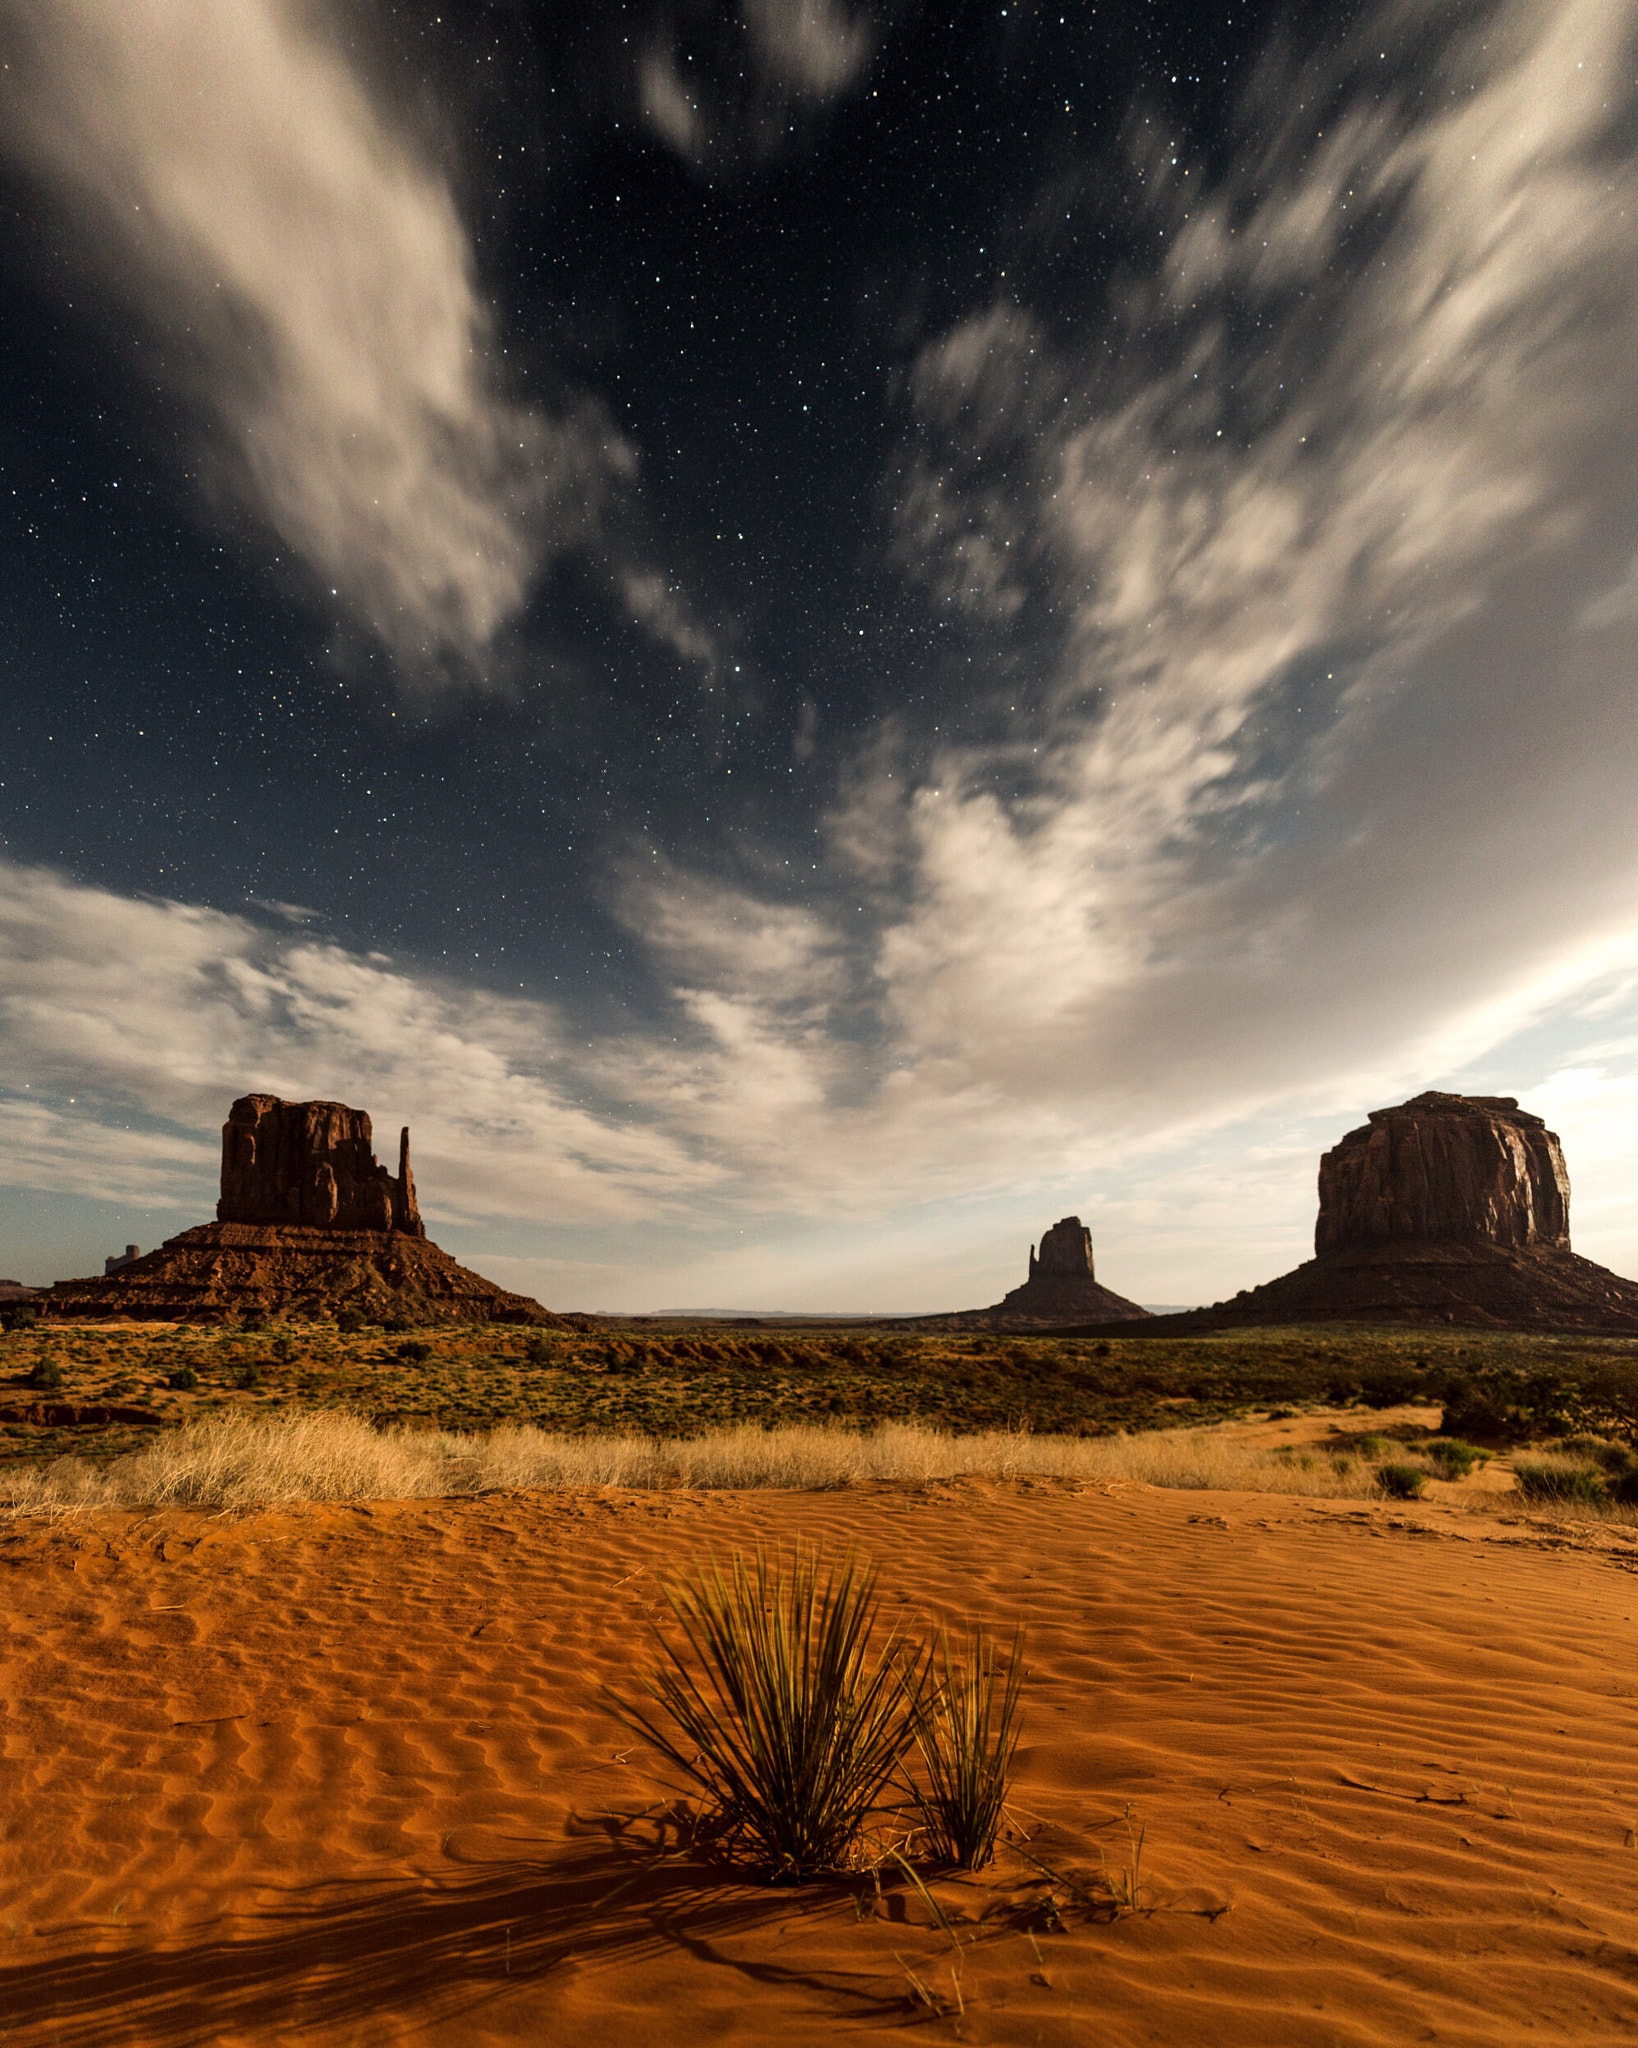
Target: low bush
<point>46,1375</point>
<point>183,1380</point>
<point>415,1352</point>
<point>1563,1481</point>
<point>1613,1458</point>
<point>1401,1481</point>
<point>1454,1457</point>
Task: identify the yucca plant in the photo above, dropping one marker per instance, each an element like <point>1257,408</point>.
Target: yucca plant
<point>785,1704</point>
<point>964,1726</point>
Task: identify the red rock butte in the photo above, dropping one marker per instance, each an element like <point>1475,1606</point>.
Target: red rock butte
<point>1443,1209</point>
<point>1062,1288</point>
<point>309,1225</point>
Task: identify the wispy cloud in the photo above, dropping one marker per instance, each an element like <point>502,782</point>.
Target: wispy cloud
<point>733,93</point>
<point>1319,790</point>
<point>231,173</point>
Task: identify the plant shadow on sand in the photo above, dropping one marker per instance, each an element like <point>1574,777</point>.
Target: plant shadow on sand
<point>343,1955</point>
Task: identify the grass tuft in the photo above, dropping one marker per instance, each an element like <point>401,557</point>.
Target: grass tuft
<point>965,1727</point>
<point>785,1705</point>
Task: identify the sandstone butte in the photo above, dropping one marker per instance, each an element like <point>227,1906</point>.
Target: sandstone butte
<point>1062,1288</point>
<point>1444,1209</point>
<point>309,1224</point>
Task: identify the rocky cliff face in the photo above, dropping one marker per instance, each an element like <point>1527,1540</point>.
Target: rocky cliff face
<point>1444,1209</point>
<point>311,1163</point>
<point>1065,1248</point>
<point>1445,1169</point>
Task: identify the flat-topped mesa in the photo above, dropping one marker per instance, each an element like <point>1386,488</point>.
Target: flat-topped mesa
<point>1445,1169</point>
<point>312,1164</point>
<point>1065,1248</point>
<point>1443,1209</point>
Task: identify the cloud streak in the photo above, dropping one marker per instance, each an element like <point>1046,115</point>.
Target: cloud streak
<point>734,98</point>
<point>316,290</point>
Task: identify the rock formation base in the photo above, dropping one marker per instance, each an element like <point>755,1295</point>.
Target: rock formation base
<point>1473,1285</point>
<point>1061,1288</point>
<point>1049,1300</point>
<point>244,1272</point>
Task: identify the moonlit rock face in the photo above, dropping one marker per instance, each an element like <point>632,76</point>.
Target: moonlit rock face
<point>1445,1169</point>
<point>1065,1248</point>
<point>311,1163</point>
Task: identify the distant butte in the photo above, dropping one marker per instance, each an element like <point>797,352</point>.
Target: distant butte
<point>1062,1288</point>
<point>309,1225</point>
<point>1443,1209</point>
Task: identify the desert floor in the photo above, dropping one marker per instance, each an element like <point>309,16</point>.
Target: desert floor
<point>347,1775</point>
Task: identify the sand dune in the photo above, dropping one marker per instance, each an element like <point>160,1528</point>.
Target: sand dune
<point>340,1774</point>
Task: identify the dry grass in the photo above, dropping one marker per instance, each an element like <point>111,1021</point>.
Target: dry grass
<point>246,1460</point>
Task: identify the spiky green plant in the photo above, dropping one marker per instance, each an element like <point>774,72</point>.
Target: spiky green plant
<point>965,1727</point>
<point>785,1703</point>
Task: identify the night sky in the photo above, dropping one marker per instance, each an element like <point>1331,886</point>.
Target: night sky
<point>812,635</point>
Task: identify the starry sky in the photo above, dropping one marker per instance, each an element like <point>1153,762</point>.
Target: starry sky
<point>812,634</point>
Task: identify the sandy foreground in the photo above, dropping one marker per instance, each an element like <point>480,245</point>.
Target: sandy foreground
<point>345,1775</point>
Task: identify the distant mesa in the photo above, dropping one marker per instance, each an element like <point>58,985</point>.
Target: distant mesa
<point>1062,1288</point>
<point>1444,1209</point>
<point>309,1224</point>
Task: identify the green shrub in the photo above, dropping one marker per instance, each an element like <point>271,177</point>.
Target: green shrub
<point>964,1722</point>
<point>46,1375</point>
<point>1400,1481</point>
<point>19,1315</point>
<point>540,1350</point>
<point>782,1708</point>
<point>1454,1457</point>
<point>183,1380</point>
<point>1561,1481</point>
<point>1613,1458</point>
<point>415,1352</point>
<point>349,1321</point>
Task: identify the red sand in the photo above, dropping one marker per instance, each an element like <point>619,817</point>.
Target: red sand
<point>344,1775</point>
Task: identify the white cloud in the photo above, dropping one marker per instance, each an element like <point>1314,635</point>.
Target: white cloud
<point>114,1009</point>
<point>316,288</point>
